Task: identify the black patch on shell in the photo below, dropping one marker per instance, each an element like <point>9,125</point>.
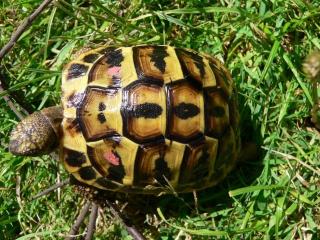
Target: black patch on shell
<point>101,118</point>
<point>107,50</point>
<point>162,173</point>
<point>114,57</point>
<point>102,106</point>
<point>146,110</point>
<point>74,99</point>
<point>213,112</point>
<point>116,172</point>
<point>87,173</point>
<point>186,110</point>
<point>74,158</point>
<point>90,58</point>
<point>171,112</point>
<point>158,55</point>
<point>74,125</point>
<point>217,111</point>
<point>76,70</point>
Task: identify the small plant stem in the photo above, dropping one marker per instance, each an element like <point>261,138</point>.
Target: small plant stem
<point>92,221</point>
<point>52,188</point>
<point>75,227</point>
<point>135,234</point>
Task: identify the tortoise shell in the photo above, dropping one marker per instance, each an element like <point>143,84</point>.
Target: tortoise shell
<point>148,119</point>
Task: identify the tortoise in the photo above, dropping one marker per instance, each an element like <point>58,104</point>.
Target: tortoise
<point>145,119</point>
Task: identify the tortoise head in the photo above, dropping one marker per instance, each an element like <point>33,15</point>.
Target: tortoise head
<point>37,134</point>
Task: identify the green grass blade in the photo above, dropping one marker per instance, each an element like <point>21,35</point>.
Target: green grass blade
<point>203,10</point>
<point>39,234</point>
<point>249,189</point>
<point>201,232</point>
<point>272,55</point>
<point>297,76</point>
<point>51,18</point>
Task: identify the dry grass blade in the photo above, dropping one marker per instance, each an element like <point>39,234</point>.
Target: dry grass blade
<point>92,221</point>
<point>75,227</point>
<point>50,189</point>
<point>132,230</point>
<point>11,104</point>
<point>288,156</point>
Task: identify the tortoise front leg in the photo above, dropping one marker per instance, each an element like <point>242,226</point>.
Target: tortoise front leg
<point>311,67</point>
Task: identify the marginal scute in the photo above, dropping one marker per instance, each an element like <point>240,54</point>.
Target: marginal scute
<point>196,67</point>
<point>107,184</point>
<point>114,57</point>
<point>157,62</point>
<point>228,153</point>
<point>91,58</point>
<point>159,163</point>
<point>76,70</point>
<point>199,161</point>
<point>74,158</point>
<point>87,173</point>
<point>158,58</point>
<point>72,137</point>
<point>114,158</point>
<point>223,79</point>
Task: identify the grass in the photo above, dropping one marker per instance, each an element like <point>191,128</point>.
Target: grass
<point>263,43</point>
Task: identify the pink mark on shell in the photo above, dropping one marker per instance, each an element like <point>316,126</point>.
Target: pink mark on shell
<point>114,71</point>
<point>112,158</point>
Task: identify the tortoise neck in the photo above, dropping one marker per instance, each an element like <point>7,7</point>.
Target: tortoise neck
<point>54,116</point>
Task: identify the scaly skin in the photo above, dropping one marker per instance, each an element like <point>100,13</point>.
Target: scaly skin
<point>312,69</point>
<point>37,134</point>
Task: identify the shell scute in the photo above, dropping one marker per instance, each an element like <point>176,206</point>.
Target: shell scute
<point>96,123</point>
<point>185,112</point>
<point>198,162</point>
<point>144,112</point>
<point>113,157</point>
